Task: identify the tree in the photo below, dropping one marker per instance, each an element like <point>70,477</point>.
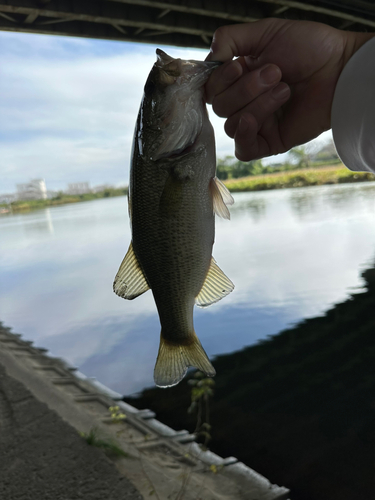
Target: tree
<point>301,157</point>
<point>230,168</point>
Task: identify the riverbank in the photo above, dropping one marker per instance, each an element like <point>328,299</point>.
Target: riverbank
<point>42,456</point>
<point>61,199</point>
<point>54,420</point>
<point>337,174</point>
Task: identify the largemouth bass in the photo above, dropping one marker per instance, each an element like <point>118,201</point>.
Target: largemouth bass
<point>173,196</point>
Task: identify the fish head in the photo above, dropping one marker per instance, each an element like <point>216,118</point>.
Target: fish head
<point>173,109</point>
<point>186,75</point>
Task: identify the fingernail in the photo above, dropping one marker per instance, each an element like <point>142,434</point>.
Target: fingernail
<point>232,71</point>
<point>270,74</point>
<point>281,91</point>
<point>243,125</point>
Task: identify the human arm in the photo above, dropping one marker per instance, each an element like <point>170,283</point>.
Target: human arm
<point>353,111</point>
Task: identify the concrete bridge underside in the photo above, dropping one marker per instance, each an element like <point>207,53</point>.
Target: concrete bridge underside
<point>185,23</point>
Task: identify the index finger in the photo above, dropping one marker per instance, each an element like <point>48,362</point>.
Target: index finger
<point>222,78</point>
<point>240,40</point>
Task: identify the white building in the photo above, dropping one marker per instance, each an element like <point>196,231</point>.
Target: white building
<point>8,198</point>
<point>33,190</point>
<point>79,188</point>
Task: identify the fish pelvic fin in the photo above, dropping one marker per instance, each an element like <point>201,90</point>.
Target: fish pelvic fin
<point>130,281</point>
<point>175,358</point>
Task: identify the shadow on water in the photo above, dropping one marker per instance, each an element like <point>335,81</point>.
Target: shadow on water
<point>298,407</point>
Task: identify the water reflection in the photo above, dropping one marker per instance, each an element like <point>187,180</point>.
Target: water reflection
<point>342,199</point>
<point>303,203</point>
<point>254,207</point>
<point>37,225</point>
<point>290,253</point>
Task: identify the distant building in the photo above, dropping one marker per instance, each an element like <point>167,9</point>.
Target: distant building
<point>8,198</point>
<point>52,194</point>
<point>79,188</point>
<point>33,190</point>
<point>102,187</point>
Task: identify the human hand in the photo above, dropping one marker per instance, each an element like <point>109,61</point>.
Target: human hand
<point>303,61</point>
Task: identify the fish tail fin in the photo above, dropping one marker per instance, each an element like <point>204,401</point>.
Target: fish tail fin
<point>174,359</point>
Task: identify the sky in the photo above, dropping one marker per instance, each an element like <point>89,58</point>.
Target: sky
<point>68,107</point>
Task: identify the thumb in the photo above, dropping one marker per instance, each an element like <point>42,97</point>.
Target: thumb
<point>240,40</point>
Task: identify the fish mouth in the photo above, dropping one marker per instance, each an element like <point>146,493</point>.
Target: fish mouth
<point>192,72</point>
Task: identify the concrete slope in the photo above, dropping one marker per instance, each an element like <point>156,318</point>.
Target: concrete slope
<point>43,457</point>
<point>40,445</point>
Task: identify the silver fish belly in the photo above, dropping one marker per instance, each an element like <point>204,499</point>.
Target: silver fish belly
<point>173,195</point>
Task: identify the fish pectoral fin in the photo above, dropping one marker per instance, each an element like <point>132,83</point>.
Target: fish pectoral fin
<point>130,281</point>
<point>174,359</point>
<point>221,197</point>
<point>224,191</point>
<point>215,287</point>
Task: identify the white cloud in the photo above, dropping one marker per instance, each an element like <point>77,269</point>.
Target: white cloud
<point>68,107</point>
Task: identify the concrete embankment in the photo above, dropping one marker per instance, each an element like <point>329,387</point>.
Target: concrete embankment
<point>45,403</point>
<point>43,457</point>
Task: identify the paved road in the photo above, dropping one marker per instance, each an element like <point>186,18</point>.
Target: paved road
<point>43,458</point>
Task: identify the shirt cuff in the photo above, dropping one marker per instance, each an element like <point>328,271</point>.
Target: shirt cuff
<point>353,111</point>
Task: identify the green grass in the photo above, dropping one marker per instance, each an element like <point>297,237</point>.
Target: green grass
<point>298,178</point>
<point>62,199</point>
<point>110,448</point>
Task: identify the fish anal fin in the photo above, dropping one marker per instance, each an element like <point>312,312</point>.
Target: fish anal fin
<point>221,197</point>
<point>174,359</point>
<point>130,281</point>
<point>216,286</point>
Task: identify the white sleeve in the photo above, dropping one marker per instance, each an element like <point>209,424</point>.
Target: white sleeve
<point>353,111</point>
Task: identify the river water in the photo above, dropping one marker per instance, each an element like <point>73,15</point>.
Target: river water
<point>291,254</point>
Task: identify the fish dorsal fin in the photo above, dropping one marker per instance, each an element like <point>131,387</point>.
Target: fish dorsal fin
<point>221,197</point>
<point>215,287</point>
<point>130,281</point>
